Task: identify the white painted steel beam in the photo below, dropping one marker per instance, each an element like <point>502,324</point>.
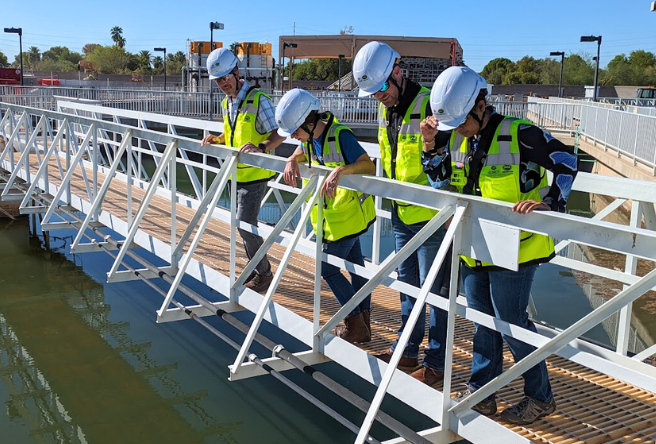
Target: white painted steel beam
<point>250,370</point>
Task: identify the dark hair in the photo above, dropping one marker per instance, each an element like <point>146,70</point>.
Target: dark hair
<point>481,95</point>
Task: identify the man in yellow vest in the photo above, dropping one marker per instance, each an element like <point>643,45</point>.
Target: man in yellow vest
<point>248,124</point>
<point>347,214</point>
<point>502,158</point>
<point>403,105</point>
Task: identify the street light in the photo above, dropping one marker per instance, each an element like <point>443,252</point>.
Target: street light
<point>339,72</point>
<point>592,38</point>
<point>562,63</point>
<point>164,51</point>
<point>282,76</point>
<point>18,31</point>
<point>213,26</point>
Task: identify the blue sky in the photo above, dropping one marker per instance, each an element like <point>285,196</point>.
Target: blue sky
<point>485,29</point>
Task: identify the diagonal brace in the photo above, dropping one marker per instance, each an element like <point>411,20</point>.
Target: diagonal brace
<point>390,263</point>
<point>220,180</point>
<point>410,324</point>
<point>278,275</point>
<point>622,299</point>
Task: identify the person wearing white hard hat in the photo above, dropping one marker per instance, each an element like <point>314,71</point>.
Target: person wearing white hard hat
<point>346,213</point>
<point>403,105</point>
<point>502,158</point>
<point>249,125</point>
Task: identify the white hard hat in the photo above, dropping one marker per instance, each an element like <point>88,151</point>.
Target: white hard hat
<point>454,95</point>
<point>293,109</point>
<point>372,66</point>
<point>220,62</point>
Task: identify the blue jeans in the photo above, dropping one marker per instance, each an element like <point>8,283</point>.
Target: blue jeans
<point>249,198</point>
<point>413,271</point>
<point>348,249</point>
<point>503,294</point>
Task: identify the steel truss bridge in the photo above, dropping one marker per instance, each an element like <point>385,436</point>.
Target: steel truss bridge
<point>117,185</point>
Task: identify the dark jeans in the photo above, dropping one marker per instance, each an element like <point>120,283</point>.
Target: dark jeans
<point>503,294</point>
<point>414,271</point>
<point>348,249</point>
<point>249,199</point>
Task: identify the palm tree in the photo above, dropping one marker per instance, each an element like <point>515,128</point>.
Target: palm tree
<point>234,47</point>
<point>144,58</point>
<point>117,36</point>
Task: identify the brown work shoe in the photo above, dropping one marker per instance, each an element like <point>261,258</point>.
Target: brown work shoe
<point>428,376</point>
<point>366,317</point>
<point>260,283</point>
<point>353,330</point>
<point>405,364</point>
<point>250,277</point>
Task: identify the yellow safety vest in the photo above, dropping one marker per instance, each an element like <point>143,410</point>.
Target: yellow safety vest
<point>406,165</point>
<point>349,213</point>
<point>245,132</point>
<point>499,179</point>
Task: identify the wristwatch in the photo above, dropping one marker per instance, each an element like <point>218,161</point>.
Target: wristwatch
<point>262,147</point>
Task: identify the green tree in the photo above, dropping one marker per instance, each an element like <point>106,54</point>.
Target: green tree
<point>158,65</point>
<point>3,59</point>
<point>619,72</point>
<point>57,53</point>
<point>33,57</point>
<point>496,69</point>
<point>234,47</point>
<point>110,59</point>
<point>579,70</point>
<point>117,36</point>
<point>320,69</point>
<point>175,62</point>
<point>143,59</point>
<point>89,47</point>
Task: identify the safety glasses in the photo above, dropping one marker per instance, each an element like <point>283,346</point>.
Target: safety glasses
<point>385,86</point>
<point>225,77</point>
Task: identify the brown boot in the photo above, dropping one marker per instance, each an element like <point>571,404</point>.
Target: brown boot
<point>353,330</point>
<point>366,317</point>
<point>428,376</point>
<point>405,364</point>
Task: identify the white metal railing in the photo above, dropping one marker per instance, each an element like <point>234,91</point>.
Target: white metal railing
<point>75,141</point>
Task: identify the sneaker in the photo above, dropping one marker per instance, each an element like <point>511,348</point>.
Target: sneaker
<point>428,376</point>
<point>487,407</point>
<point>528,410</point>
<point>260,283</point>
<point>405,364</point>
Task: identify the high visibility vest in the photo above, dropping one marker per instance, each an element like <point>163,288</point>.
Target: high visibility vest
<point>499,179</point>
<point>406,164</point>
<point>349,213</point>
<point>244,132</point>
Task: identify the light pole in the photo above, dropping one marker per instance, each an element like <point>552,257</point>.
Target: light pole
<point>562,63</point>
<point>592,38</point>
<point>282,77</point>
<point>164,51</point>
<point>339,72</point>
<point>213,26</point>
<point>18,31</point>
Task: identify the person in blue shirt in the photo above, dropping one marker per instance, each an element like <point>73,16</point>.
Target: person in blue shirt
<point>346,213</point>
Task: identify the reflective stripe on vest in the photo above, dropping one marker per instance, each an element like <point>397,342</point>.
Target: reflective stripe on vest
<point>245,132</point>
<point>406,166</point>
<point>349,213</point>
<point>499,179</point>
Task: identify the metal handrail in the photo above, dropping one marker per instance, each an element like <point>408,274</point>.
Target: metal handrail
<point>631,241</point>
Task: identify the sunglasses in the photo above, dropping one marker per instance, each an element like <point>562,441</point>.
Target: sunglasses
<point>385,86</point>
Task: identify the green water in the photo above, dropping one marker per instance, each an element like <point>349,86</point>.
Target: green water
<point>84,361</point>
